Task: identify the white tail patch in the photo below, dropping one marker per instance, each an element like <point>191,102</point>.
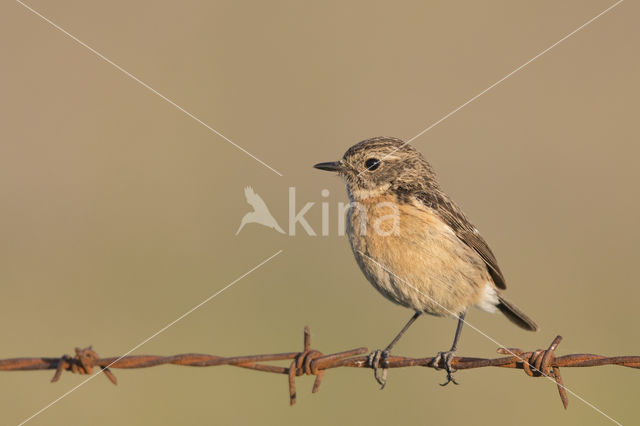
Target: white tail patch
<point>489,299</point>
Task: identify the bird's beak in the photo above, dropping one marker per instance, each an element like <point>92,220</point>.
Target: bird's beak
<point>331,166</point>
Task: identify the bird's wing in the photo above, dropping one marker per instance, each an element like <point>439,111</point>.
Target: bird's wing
<point>474,240</point>
<point>254,199</point>
<point>464,230</point>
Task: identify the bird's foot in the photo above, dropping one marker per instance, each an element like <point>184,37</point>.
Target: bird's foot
<point>447,357</point>
<point>378,361</point>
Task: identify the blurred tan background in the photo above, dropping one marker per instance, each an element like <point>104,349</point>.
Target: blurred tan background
<point>118,211</point>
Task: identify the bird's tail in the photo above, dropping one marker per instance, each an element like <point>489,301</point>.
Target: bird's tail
<point>515,315</point>
<point>244,222</point>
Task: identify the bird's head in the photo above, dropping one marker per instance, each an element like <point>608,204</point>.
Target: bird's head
<point>375,166</point>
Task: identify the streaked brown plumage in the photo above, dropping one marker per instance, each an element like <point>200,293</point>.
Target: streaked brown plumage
<point>411,241</point>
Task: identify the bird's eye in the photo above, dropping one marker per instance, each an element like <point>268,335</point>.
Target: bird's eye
<point>372,164</point>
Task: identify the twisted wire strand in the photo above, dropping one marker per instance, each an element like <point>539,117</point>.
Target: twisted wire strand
<point>538,363</point>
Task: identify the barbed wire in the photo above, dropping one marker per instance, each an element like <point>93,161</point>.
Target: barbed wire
<point>538,363</point>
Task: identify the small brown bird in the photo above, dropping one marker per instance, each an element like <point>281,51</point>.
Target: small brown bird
<point>414,245</point>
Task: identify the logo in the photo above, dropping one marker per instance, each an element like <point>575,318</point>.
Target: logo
<point>384,216</point>
<point>260,213</point>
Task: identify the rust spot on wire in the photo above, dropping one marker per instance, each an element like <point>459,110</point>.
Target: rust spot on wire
<point>538,363</point>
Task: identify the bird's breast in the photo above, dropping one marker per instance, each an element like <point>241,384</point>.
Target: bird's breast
<point>413,258</point>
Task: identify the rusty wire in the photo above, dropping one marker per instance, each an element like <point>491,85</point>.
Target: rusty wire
<point>538,363</point>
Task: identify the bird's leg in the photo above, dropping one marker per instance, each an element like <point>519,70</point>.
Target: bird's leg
<point>379,357</point>
<point>448,356</point>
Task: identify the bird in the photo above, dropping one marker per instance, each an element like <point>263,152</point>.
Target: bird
<point>260,213</point>
<point>415,245</point>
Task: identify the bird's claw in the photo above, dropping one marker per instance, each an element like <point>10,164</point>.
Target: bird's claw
<point>377,359</point>
<point>447,357</point>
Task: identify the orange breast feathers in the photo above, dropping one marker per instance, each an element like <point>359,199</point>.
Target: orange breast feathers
<point>418,261</point>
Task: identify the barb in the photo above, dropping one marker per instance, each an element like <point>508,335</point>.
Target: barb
<point>312,362</point>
